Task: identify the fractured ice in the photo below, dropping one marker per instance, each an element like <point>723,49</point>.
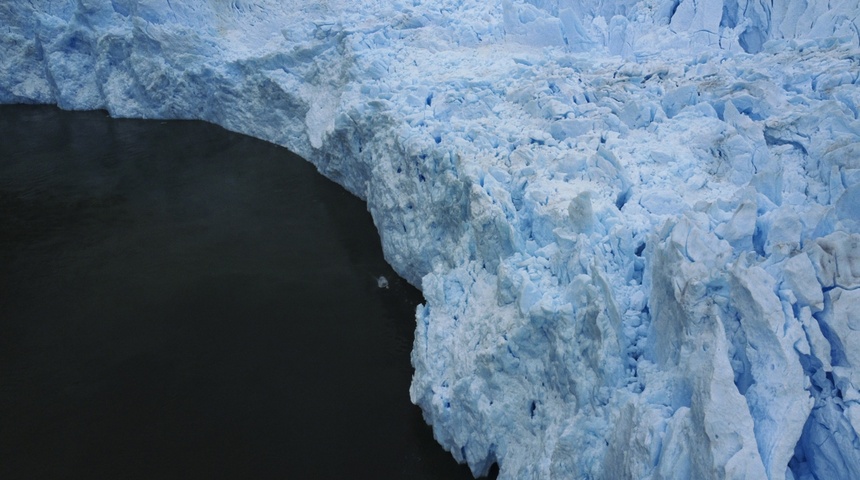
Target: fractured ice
<point>636,224</point>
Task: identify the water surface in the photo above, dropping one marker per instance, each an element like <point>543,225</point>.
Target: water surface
<point>179,301</point>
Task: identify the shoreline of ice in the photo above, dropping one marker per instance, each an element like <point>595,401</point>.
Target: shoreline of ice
<point>636,224</point>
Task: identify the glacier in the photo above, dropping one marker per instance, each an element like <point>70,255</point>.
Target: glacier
<point>636,223</point>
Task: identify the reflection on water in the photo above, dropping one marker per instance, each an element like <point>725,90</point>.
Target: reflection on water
<point>177,301</point>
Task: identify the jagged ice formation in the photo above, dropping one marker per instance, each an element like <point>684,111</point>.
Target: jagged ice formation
<point>636,224</point>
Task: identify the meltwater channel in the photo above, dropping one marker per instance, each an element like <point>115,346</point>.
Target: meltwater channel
<point>179,301</point>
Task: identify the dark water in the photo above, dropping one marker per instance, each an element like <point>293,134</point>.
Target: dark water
<point>177,301</point>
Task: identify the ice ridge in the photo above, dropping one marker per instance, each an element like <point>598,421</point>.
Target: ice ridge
<point>636,224</point>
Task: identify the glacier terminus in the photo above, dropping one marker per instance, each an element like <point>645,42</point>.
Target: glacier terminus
<point>636,223</point>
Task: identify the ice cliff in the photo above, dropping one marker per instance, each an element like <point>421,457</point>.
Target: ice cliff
<point>636,224</point>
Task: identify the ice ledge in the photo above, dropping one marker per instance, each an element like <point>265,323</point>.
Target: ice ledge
<point>635,226</point>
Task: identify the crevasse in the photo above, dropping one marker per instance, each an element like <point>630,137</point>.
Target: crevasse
<point>636,224</point>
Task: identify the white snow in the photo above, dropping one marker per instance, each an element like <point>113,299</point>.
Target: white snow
<point>636,224</point>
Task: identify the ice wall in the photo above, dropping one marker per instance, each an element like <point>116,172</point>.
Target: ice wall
<point>636,223</point>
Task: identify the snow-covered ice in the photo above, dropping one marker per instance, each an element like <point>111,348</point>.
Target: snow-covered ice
<point>636,224</point>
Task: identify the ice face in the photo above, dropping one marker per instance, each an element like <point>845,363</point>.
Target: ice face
<point>635,223</point>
